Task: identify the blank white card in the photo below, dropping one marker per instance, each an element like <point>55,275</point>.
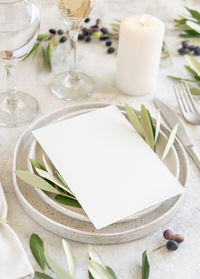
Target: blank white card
<point>110,169</point>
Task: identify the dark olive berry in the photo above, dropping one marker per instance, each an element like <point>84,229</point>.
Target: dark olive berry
<point>104,38</point>
<point>87,20</point>
<point>178,238</point>
<point>108,43</point>
<point>192,47</point>
<point>110,50</point>
<point>94,29</point>
<point>98,21</point>
<point>81,37</point>
<point>183,51</point>
<point>172,245</point>
<point>87,39</point>
<point>197,51</point>
<point>63,39</point>
<point>60,32</point>
<point>168,234</point>
<point>52,31</point>
<point>104,30</point>
<point>185,44</point>
<point>85,31</point>
<point>89,31</point>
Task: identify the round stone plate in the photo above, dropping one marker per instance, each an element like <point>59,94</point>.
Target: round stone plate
<point>77,230</point>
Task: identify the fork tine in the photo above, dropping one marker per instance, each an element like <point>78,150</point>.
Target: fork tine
<point>182,97</point>
<point>179,100</point>
<point>186,97</point>
<point>190,96</point>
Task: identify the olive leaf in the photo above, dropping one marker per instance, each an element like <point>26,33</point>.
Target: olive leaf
<point>45,58</point>
<point>56,268</point>
<point>115,27</point>
<point>94,255</point>
<point>184,79</point>
<point>35,164</point>
<point>191,71</point>
<point>194,64</point>
<point>145,266</point>
<point>37,249</point>
<point>193,25</point>
<point>49,55</point>
<point>146,125</point>
<point>195,14</point>
<point>36,181</point>
<point>42,37</point>
<point>109,269</point>
<point>53,179</point>
<point>170,141</point>
<point>158,121</point>
<point>39,275</point>
<point>134,119</point>
<point>98,271</point>
<point>47,166</point>
<point>70,258</point>
<point>34,48</point>
<point>195,91</point>
<point>67,200</point>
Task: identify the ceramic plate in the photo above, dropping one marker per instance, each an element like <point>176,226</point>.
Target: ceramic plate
<point>76,230</point>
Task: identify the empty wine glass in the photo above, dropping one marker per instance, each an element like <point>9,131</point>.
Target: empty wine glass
<point>73,85</point>
<point>19,26</point>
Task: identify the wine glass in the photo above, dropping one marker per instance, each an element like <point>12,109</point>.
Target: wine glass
<point>19,26</point>
<point>73,85</point>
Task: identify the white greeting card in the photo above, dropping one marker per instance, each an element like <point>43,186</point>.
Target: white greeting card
<point>110,169</point>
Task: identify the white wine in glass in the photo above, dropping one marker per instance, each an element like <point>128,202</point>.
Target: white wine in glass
<point>73,85</point>
<point>19,26</point>
<point>75,9</point>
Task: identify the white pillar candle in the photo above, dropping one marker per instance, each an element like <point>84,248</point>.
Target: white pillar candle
<point>140,44</point>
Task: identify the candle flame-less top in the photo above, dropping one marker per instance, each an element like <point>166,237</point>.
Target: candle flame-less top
<point>142,20</point>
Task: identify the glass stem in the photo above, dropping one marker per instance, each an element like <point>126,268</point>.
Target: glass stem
<point>74,26</point>
<point>11,85</point>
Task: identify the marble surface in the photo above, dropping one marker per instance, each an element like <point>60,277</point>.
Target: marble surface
<point>125,259</point>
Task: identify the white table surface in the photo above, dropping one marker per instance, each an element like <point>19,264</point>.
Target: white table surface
<point>125,259</point>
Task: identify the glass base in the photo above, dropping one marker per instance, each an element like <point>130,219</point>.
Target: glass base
<point>21,109</point>
<point>65,87</point>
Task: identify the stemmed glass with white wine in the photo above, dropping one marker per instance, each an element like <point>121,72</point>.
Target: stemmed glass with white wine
<point>73,85</point>
<point>19,26</point>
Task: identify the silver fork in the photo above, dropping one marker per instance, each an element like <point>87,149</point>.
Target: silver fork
<point>186,103</point>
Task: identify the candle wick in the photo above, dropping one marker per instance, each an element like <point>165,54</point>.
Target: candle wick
<point>142,21</point>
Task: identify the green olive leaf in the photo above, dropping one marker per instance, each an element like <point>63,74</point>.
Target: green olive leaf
<point>194,64</point>
<point>115,27</point>
<point>34,48</point>
<point>158,121</point>
<point>98,271</point>
<point>185,79</point>
<point>195,91</point>
<point>68,201</point>
<point>39,275</point>
<point>53,179</point>
<point>42,37</point>
<point>134,119</point>
<point>49,55</point>
<point>36,181</point>
<point>35,164</point>
<point>37,249</point>
<point>93,255</point>
<point>71,260</point>
<point>56,268</point>
<point>145,266</point>
<point>109,269</point>
<point>195,75</point>
<point>170,141</point>
<point>193,25</point>
<point>147,127</point>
